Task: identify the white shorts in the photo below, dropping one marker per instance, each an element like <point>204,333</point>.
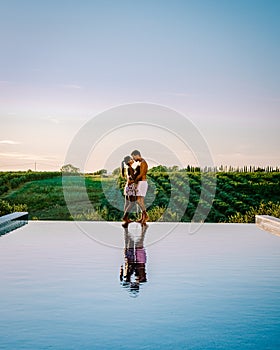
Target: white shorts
<point>142,188</point>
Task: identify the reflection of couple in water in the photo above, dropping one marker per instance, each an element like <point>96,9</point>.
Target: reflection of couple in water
<point>133,272</point>
<point>136,186</point>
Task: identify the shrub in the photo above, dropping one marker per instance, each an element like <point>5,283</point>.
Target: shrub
<point>269,208</point>
<point>162,214</point>
<point>7,208</point>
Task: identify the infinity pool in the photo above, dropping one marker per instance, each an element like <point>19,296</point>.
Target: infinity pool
<point>218,288</point>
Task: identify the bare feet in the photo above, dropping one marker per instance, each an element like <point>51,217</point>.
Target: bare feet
<point>143,219</point>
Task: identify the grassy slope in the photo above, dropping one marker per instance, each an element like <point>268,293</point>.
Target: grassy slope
<point>45,198</point>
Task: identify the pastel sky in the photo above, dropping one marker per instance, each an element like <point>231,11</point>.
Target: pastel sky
<point>215,61</point>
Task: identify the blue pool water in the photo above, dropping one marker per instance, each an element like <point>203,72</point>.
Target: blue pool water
<point>216,289</point>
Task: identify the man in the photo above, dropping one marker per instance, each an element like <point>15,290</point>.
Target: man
<point>142,184</point>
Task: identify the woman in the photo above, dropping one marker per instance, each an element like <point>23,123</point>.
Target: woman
<point>130,187</point>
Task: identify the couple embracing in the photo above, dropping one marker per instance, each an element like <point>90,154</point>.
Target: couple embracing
<point>136,185</point>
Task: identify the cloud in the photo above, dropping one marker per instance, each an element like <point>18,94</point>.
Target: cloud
<point>266,98</point>
<point>5,82</point>
<point>52,119</point>
<point>9,142</point>
<point>272,99</point>
<point>16,155</point>
<point>22,161</point>
<point>71,86</point>
<point>182,94</point>
<point>26,156</point>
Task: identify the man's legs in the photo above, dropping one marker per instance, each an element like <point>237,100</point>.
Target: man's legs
<point>141,203</point>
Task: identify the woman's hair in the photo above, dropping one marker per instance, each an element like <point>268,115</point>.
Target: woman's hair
<point>125,162</point>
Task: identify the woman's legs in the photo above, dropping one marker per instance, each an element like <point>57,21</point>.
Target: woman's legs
<point>127,207</point>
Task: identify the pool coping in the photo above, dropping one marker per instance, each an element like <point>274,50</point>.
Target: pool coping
<point>10,222</point>
<point>268,223</point>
